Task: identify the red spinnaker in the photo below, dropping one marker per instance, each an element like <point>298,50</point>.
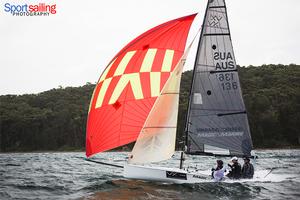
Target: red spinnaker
<point>130,84</point>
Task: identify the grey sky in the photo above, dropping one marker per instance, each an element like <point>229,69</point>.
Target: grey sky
<point>73,47</point>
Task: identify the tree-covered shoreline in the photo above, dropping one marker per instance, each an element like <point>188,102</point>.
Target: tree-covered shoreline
<point>55,120</point>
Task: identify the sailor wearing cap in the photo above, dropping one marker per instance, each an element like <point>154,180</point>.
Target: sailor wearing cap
<point>235,169</point>
<point>248,169</point>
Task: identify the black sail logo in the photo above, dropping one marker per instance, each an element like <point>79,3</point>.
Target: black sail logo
<point>176,175</point>
<point>214,20</point>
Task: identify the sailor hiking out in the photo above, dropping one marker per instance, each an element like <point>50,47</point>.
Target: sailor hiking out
<point>218,172</point>
<point>234,169</point>
<point>247,169</point>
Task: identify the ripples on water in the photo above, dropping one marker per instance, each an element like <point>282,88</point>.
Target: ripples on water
<point>68,176</point>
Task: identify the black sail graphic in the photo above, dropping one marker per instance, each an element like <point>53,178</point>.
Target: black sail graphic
<point>217,119</point>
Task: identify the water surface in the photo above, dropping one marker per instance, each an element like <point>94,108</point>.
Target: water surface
<point>69,176</point>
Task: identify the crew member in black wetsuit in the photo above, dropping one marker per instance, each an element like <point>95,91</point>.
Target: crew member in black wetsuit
<point>247,169</point>
<point>235,169</point>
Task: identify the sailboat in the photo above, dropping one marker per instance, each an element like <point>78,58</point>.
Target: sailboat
<point>136,99</point>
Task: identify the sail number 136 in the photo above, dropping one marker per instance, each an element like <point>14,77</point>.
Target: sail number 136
<point>227,81</point>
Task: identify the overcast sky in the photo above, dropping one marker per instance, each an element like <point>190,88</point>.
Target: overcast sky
<point>73,46</point>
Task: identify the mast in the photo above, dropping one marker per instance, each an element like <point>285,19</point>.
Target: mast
<point>185,149</point>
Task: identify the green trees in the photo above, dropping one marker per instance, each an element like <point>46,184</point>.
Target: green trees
<point>56,119</point>
<point>52,120</point>
<point>272,97</point>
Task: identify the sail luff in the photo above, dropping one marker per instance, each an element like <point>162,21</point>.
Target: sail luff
<point>192,82</point>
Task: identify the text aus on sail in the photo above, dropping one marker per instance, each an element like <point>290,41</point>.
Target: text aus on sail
<point>225,62</point>
<point>225,73</point>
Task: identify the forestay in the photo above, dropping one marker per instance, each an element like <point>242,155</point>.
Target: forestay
<point>217,120</point>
